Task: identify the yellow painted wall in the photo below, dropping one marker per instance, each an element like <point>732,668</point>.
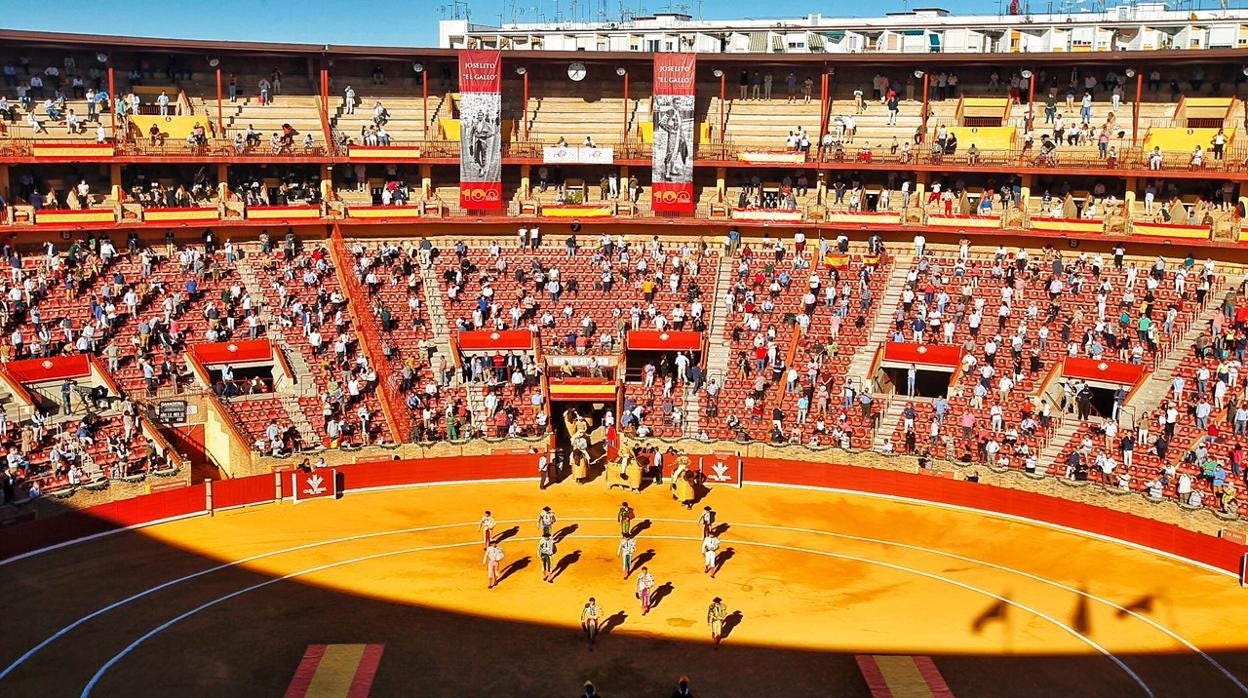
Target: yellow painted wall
<point>1179,139</point>
<point>233,457</point>
<point>178,127</point>
<point>985,137</point>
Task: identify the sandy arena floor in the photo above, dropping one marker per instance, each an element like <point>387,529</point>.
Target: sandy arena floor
<point>226,606</point>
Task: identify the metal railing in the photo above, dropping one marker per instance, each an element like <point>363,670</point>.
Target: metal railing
<point>215,148</point>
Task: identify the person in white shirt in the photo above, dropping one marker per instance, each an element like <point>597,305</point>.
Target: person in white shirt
<point>1184,488</point>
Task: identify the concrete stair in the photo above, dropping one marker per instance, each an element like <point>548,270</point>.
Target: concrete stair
<point>864,356</point>
<point>1058,442</point>
<point>719,350</point>
<point>304,383</point>
<point>476,407</point>
<point>1156,387</point>
<point>437,316</point>
<point>888,424</point>
<point>299,418</point>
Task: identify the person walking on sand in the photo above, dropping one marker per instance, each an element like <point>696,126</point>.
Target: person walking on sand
<point>493,556</point>
<point>710,548</point>
<point>546,551</point>
<point>625,518</point>
<point>487,527</point>
<point>589,621</point>
<point>546,520</point>
<point>645,589</point>
<point>715,616</point>
<point>628,546</point>
<point>707,519</point>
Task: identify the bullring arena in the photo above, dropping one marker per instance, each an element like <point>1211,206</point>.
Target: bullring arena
<point>816,579</point>
<point>836,361</point>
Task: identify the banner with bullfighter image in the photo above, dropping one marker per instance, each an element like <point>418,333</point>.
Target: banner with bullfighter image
<point>675,84</point>
<point>480,130</point>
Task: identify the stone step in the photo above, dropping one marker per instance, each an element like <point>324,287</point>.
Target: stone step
<point>1058,442</point>
<point>1149,396</point>
<point>888,424</point>
<point>864,356</point>
<point>311,440</point>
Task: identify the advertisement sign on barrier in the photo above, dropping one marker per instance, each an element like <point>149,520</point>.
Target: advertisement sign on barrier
<point>722,468</point>
<point>583,156</point>
<point>314,485</point>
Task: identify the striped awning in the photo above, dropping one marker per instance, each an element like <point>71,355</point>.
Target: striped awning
<point>583,391</point>
<point>758,42</point>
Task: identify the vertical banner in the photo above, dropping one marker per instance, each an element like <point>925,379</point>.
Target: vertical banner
<point>672,110</point>
<point>480,130</point>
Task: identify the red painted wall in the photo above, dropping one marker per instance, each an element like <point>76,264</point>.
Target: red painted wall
<point>1220,553</point>
<point>1217,552</point>
<point>190,441</point>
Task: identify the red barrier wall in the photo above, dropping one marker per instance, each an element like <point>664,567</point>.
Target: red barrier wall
<point>410,472</point>
<point>106,517</point>
<point>243,491</point>
<point>1216,552</point>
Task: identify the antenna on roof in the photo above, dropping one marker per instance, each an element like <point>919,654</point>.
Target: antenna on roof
<point>457,9</point>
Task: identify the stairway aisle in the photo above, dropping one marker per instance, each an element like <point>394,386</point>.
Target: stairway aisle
<point>299,417</point>
<point>1156,387</point>
<point>437,314</point>
<point>476,407</point>
<point>888,424</point>
<point>1059,440</point>
<point>719,349</point>
<point>884,310</point>
<point>304,383</point>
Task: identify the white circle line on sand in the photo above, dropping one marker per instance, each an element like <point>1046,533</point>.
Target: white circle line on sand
<point>99,674</point>
<point>1043,580</point>
<point>209,570</point>
<point>139,595</point>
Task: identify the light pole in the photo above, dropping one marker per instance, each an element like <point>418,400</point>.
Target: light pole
<point>424,95</point>
<point>220,114</point>
<point>524,122</point>
<point>722,87</point>
<point>623,72</point>
<point>1031,95</point>
<point>112,94</point>
<point>923,116</point>
<point>1135,108</point>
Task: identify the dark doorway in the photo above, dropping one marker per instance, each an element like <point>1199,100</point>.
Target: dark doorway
<point>1102,401</point>
<point>927,383</point>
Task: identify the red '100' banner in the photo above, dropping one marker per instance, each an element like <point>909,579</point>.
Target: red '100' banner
<point>675,82</point>
<point>480,130</point>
